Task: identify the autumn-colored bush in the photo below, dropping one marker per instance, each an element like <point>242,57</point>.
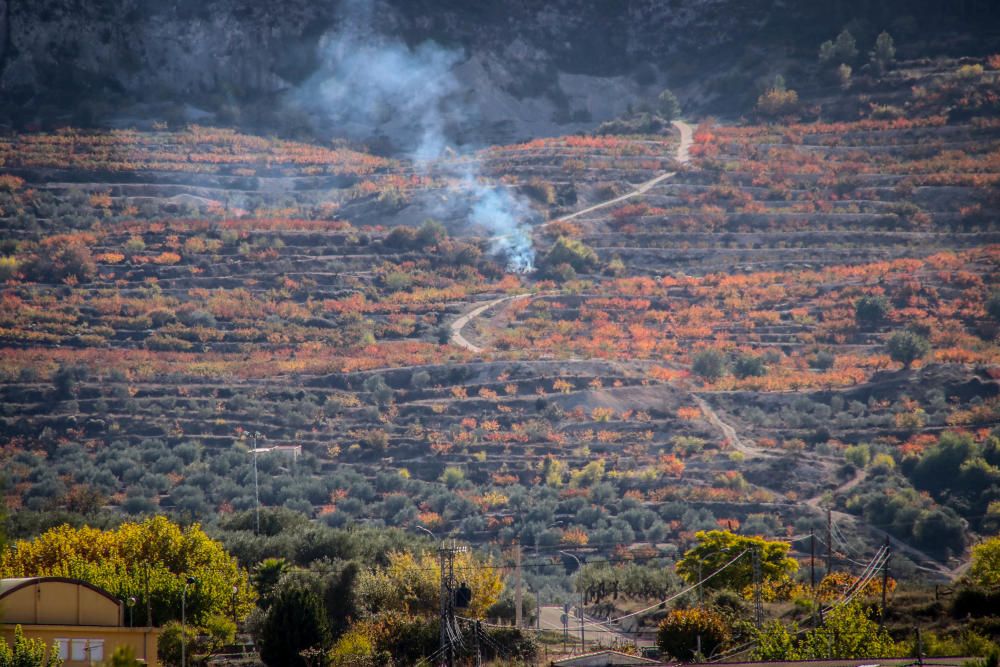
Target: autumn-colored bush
<point>682,630</point>
<point>776,102</point>
<point>63,258</point>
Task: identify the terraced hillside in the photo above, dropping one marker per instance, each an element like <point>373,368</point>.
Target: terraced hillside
<point>800,317</point>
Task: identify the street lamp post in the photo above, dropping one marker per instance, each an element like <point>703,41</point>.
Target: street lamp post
<point>190,580</point>
<point>579,567</point>
<point>131,610</point>
<point>256,487</point>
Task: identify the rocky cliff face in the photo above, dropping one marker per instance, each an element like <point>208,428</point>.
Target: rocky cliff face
<point>528,65</point>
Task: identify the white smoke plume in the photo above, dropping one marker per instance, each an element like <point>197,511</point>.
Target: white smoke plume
<point>370,84</point>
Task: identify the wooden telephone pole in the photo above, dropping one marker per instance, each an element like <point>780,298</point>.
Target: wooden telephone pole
<point>885,577</point>
<point>758,605</point>
<point>812,558</point>
<point>518,596</point>
<point>829,541</point>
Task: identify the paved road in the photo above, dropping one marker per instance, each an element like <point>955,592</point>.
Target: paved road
<point>552,620</point>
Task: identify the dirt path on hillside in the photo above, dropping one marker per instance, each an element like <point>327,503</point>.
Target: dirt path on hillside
<point>456,327</point>
<point>861,476</point>
<point>937,567</point>
<point>846,519</point>
<point>682,156</point>
<point>728,431</point>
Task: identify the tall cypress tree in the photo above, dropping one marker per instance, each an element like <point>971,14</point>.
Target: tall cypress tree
<point>295,621</point>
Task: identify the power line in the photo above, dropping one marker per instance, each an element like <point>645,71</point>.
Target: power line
<point>605,624</point>
<point>839,537</point>
<point>859,584</point>
<point>670,598</point>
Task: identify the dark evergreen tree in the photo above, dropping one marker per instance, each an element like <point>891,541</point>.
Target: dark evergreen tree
<point>295,621</point>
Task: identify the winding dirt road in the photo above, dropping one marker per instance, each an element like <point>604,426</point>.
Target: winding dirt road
<point>728,431</point>
<point>456,327</point>
<point>682,156</point>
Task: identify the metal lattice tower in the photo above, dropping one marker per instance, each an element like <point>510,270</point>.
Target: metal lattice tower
<point>446,559</point>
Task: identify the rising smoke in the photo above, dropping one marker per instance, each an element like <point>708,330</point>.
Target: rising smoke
<point>370,84</point>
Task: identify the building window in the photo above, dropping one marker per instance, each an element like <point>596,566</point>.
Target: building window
<point>79,649</point>
<point>96,650</point>
<point>62,648</point>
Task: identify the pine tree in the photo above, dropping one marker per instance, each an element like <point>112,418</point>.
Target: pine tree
<point>669,107</point>
<point>885,51</point>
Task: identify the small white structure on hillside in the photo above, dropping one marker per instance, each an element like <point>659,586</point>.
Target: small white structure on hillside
<point>293,451</point>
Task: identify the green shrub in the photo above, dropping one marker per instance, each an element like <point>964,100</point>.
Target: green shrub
<point>165,343</point>
<point>969,71</point>
<point>452,476</point>
<point>709,364</point>
<point>572,252</point>
<point>822,360</point>
<point>747,365</point>
<point>777,102</point>
<point>168,644</point>
<point>541,191</point>
<point>993,305</point>
<point>26,652</point>
<point>906,347</point>
<point>871,310</point>
<point>420,379</point>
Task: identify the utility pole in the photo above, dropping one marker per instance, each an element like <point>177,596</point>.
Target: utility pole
<point>812,574</point>
<point>885,577</point>
<point>518,596</point>
<point>565,620</point>
<point>444,560</point>
<point>479,652</point>
<point>812,559</point>
<point>758,605</point>
<point>538,610</point>
<point>579,571</point>
<point>256,487</point>
<point>149,604</point>
<point>829,541</point>
<point>190,580</point>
